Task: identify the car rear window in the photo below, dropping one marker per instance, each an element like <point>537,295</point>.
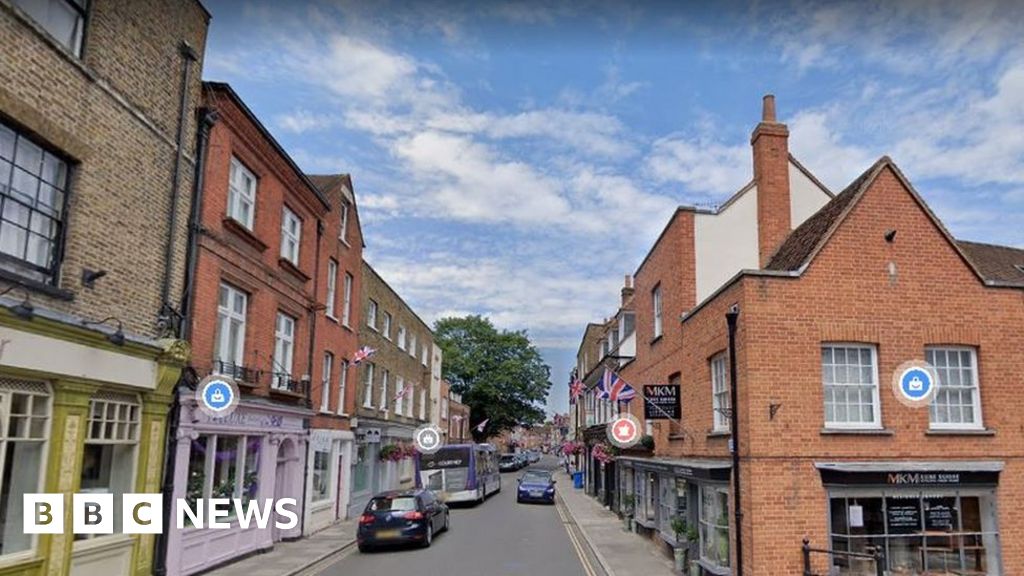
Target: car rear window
<point>507,458</point>
<point>536,478</point>
<point>400,504</point>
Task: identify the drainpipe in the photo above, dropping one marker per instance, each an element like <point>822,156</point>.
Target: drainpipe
<point>731,317</point>
<point>207,118</point>
<point>309,370</point>
<point>188,56</point>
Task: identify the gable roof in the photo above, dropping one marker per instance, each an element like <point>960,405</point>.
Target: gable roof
<point>997,264</point>
<point>806,239</point>
<point>340,182</point>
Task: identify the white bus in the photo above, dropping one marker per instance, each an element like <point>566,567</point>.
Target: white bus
<point>460,472</point>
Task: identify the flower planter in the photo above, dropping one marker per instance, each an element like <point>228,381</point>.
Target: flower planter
<point>679,555</point>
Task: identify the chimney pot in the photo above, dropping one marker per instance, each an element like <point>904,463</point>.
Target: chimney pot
<point>629,281</point>
<point>768,108</point>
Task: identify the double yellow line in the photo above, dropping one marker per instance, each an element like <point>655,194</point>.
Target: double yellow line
<point>588,569</point>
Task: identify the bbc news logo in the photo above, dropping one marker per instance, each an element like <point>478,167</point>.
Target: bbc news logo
<point>144,513</point>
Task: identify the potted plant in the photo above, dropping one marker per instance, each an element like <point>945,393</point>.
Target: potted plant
<point>679,551</point>
<point>627,512</point>
<point>693,543</point>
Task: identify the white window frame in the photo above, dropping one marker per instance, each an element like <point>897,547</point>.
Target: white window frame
<point>401,337</point>
<point>325,386</point>
<point>342,387</point>
<point>412,344</point>
<point>876,423</point>
<point>225,318</point>
<point>386,328</point>
<point>720,393</point>
<point>23,433</point>
<point>332,287</point>
<point>710,524</point>
<point>444,408</point>
<point>284,347</point>
<point>657,304</point>
<point>426,353</point>
<point>78,9</point>
<point>239,195</point>
<point>330,476</point>
<point>346,311</point>
<point>408,398</point>
<point>384,377</point>
<point>368,386</point>
<point>291,240</point>
<point>972,388</point>
<point>114,420</point>
<point>371,314</point>
<point>399,402</point>
<point>423,403</point>
<point>343,233</point>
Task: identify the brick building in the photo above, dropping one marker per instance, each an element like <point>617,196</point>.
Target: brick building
<point>453,417</point>
<point>394,388</point>
<point>275,275</point>
<point>830,306</point>
<point>95,186</point>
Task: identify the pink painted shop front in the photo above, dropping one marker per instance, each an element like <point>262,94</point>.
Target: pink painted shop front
<point>258,452</point>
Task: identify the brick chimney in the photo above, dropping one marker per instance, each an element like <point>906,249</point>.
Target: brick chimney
<point>627,289</point>
<point>770,141</point>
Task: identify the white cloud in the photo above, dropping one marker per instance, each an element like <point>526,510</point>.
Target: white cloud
<point>815,143</point>
<point>301,121</point>
<point>702,165</point>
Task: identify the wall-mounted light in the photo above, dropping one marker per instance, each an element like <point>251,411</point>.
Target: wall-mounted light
<point>24,309</point>
<point>89,277</point>
<point>117,337</point>
<point>890,235</point>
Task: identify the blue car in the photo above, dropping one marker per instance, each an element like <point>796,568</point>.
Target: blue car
<point>536,486</point>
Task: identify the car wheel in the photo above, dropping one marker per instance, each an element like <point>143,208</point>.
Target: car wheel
<point>363,548</point>
<point>430,535</point>
<point>483,494</point>
<point>445,529</point>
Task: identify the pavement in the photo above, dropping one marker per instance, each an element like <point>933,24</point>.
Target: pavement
<point>619,553</point>
<point>576,537</point>
<point>297,557</point>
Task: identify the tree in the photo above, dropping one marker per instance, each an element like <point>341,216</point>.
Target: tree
<point>500,375</point>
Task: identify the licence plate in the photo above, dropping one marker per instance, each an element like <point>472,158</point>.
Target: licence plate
<point>535,494</point>
<point>385,534</point>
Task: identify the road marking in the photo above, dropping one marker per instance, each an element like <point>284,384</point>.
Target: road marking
<point>576,544</point>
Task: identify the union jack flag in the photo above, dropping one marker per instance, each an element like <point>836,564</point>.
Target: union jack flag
<point>575,389</point>
<point>402,392</point>
<point>362,354</point>
<point>480,427</point>
<point>613,387</point>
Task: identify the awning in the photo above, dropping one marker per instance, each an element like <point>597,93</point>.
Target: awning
<point>693,468</point>
<point>911,472</point>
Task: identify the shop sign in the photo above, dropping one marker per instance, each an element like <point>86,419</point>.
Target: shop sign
<point>904,516</point>
<point>908,479</point>
<point>662,402</point>
<point>257,420</point>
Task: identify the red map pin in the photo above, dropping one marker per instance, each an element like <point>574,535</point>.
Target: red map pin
<point>624,431</point>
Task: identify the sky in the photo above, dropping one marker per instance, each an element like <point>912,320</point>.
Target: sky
<point>517,159</point>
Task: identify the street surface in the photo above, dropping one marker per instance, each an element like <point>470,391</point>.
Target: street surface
<point>498,537</point>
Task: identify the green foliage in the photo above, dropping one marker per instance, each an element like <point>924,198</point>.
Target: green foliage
<point>678,526</point>
<point>647,442</point>
<point>500,374</point>
<point>627,502</point>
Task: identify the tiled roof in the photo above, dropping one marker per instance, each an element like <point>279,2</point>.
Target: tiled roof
<point>995,263</point>
<point>803,241</point>
<point>327,182</point>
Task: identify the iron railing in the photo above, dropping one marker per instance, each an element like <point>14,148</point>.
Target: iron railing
<point>236,371</point>
<point>878,557</point>
<point>284,381</point>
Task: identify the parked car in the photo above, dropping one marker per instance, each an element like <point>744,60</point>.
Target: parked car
<point>401,517</point>
<point>522,459</point>
<point>508,463</point>
<point>533,456</point>
<point>536,486</point>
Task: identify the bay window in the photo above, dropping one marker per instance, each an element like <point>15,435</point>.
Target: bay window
<point>713,521</point>
<point>25,409</point>
<point>108,459</point>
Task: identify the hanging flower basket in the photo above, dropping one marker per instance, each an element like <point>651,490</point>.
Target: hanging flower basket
<point>604,453</point>
<point>572,448</point>
<point>396,452</point>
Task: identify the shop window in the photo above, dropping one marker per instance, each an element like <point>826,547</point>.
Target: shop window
<point>674,504</point>
<point>108,461</point>
<point>930,532</point>
<point>360,471</point>
<point>850,380</point>
<point>24,430</point>
<point>33,186</point>
<point>714,526</point>
<point>321,476</point>
<point>223,466</point>
<point>957,402</point>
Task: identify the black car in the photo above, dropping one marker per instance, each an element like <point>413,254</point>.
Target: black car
<point>536,486</point>
<point>401,517</point>
<point>508,463</point>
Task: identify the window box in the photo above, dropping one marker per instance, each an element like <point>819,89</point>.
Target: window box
<point>293,269</point>
<point>856,432</point>
<point>960,432</point>
<point>235,227</point>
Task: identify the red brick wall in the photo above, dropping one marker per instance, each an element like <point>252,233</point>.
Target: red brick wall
<point>847,295</point>
<point>771,174</point>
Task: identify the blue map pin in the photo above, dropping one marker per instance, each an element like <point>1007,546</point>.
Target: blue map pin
<point>217,395</point>
<point>916,383</point>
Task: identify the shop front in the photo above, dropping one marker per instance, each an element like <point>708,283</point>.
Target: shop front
<point>257,453</point>
<point>329,477</point>
<point>79,413</point>
<point>693,490</point>
<point>938,519</point>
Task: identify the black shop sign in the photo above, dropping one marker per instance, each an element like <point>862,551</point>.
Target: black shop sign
<point>662,402</point>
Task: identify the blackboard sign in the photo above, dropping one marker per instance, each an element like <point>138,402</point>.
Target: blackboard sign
<point>940,514</point>
<point>904,516</point>
<point>662,401</point>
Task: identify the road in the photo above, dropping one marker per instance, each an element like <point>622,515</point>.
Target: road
<point>496,538</point>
